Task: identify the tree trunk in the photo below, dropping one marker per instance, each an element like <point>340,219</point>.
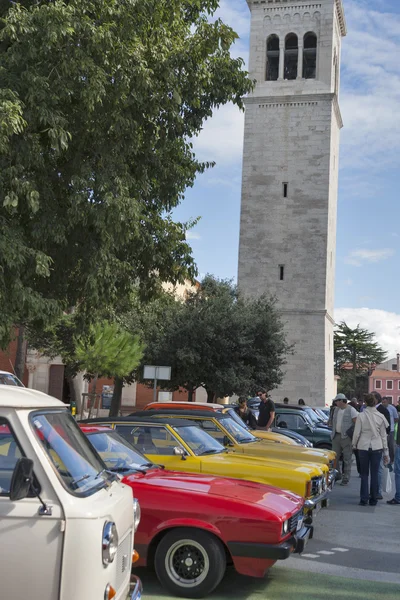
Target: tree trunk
<point>190,395</point>
<point>210,397</point>
<point>74,393</point>
<point>116,397</point>
<point>20,357</point>
<point>92,396</point>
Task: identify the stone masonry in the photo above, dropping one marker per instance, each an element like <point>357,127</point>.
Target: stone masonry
<point>289,188</point>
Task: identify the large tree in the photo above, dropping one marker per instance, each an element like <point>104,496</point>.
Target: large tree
<point>356,352</point>
<point>99,102</point>
<point>218,340</point>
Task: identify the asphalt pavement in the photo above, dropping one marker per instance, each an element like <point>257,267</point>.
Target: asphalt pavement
<point>354,555</point>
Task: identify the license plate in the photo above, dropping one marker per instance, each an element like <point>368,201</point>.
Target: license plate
<point>299,524</point>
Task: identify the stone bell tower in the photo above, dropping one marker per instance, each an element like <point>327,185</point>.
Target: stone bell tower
<point>290,181</point>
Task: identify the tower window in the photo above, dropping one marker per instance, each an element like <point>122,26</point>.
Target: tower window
<point>281,272</point>
<point>285,190</point>
<point>310,56</point>
<point>272,73</point>
<point>291,56</point>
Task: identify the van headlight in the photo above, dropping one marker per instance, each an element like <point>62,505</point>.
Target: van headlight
<point>136,514</point>
<point>109,542</point>
<point>285,527</point>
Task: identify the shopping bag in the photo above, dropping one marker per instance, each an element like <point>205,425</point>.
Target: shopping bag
<point>386,481</point>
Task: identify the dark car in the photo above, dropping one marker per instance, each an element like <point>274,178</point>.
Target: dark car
<point>300,419</point>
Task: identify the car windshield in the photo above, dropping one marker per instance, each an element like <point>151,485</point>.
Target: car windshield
<point>320,413</point>
<point>199,441</point>
<point>117,453</point>
<point>312,416</point>
<point>10,379</point>
<point>233,415</point>
<point>237,431</point>
<point>79,468</point>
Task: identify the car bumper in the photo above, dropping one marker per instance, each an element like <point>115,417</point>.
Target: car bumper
<point>136,590</point>
<point>316,503</point>
<point>294,545</point>
<point>334,475</point>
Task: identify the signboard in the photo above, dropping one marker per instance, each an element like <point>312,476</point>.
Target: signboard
<point>153,372</point>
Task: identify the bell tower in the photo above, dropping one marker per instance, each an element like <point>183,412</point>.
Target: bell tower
<point>290,181</point>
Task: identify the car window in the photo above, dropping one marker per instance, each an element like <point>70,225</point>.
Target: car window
<point>10,452</point>
<point>10,379</point>
<point>152,440</point>
<point>291,420</point>
<point>212,429</point>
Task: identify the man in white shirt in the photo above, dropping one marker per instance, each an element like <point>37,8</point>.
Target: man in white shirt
<point>343,418</point>
<point>394,418</point>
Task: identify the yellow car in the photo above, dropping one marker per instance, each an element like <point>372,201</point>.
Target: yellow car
<point>232,435</point>
<point>182,446</point>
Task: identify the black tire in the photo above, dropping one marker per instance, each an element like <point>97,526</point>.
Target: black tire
<point>178,553</point>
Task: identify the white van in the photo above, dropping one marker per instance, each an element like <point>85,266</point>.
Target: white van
<point>66,524</point>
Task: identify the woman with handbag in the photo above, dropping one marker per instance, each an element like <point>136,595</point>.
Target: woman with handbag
<point>370,440</point>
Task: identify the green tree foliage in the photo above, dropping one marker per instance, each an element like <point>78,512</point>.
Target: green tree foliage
<point>356,351</point>
<point>218,340</point>
<point>108,351</point>
<point>99,102</point>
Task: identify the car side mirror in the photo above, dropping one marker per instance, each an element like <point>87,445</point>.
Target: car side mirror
<point>178,451</point>
<point>22,479</point>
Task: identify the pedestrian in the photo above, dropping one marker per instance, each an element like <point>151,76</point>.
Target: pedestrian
<point>266,409</point>
<point>301,402</point>
<point>353,402</point>
<point>245,413</point>
<point>384,411</point>
<point>394,418</point>
<point>286,401</point>
<point>331,411</point>
<point>344,417</point>
<point>396,498</point>
<point>370,439</point>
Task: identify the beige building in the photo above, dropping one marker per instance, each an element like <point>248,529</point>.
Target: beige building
<point>290,180</point>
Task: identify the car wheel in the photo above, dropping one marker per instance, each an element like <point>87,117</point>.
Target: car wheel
<point>190,562</point>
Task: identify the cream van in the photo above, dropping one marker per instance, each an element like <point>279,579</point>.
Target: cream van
<point>66,523</point>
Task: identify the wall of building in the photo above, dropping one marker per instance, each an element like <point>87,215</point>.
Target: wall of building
<point>378,382</point>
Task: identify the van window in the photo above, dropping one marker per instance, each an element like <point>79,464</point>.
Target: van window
<point>77,465</point>
<point>10,452</point>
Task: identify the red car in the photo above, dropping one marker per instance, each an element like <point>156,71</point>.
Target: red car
<point>193,525</point>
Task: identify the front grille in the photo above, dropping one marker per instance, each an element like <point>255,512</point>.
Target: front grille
<point>316,486</point>
<point>124,560</point>
<point>331,464</point>
<point>294,519</point>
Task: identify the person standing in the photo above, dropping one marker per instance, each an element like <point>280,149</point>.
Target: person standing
<point>301,402</point>
<point>396,499</point>
<point>384,411</point>
<point>342,422</point>
<point>394,418</point>
<point>266,409</point>
<point>245,414</point>
<point>370,439</point>
<point>286,401</point>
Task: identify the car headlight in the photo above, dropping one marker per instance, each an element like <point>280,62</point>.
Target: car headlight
<point>285,527</point>
<point>137,513</point>
<point>109,542</point>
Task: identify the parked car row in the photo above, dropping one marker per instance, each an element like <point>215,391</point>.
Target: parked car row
<point>188,492</point>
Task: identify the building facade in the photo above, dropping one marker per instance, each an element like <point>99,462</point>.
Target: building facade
<point>385,379</point>
<point>290,181</point>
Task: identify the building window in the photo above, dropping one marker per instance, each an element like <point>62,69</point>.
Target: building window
<point>272,73</point>
<point>394,367</point>
<point>378,384</point>
<point>389,385</point>
<point>291,56</point>
<point>285,188</point>
<point>310,56</point>
<point>281,272</point>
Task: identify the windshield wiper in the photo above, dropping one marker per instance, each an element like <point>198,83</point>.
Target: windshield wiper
<point>211,452</point>
<point>76,481</point>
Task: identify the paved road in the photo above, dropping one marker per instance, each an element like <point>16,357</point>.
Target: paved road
<point>355,555</point>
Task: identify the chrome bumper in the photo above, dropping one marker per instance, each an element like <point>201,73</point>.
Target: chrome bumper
<point>333,477</point>
<point>320,501</point>
<point>136,590</point>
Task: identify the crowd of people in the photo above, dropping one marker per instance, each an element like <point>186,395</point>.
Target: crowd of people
<point>370,430</point>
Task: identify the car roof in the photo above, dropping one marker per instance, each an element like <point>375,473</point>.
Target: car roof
<point>280,405</point>
<point>187,413</point>
<point>21,397</point>
<point>181,405</point>
<point>140,420</point>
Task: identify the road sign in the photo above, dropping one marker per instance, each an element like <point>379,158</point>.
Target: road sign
<point>156,373</point>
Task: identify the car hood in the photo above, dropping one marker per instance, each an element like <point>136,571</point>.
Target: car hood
<point>302,454</point>
<point>308,468</point>
<point>248,492</point>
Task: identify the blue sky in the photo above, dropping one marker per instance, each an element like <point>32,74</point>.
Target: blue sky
<point>368,240</point>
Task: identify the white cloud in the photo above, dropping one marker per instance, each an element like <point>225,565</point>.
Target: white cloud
<point>358,257</point>
<point>385,325</point>
<point>192,235</point>
<point>221,139</point>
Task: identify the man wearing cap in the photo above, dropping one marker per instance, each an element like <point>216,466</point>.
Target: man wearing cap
<point>344,417</point>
